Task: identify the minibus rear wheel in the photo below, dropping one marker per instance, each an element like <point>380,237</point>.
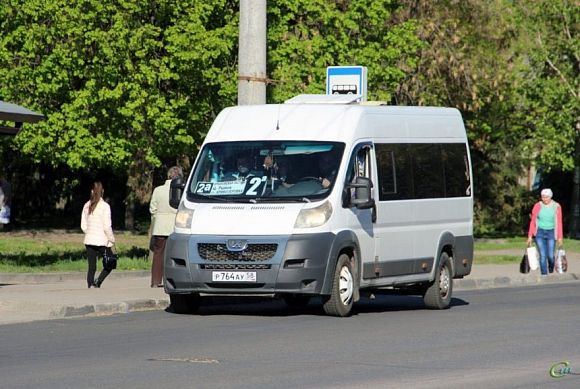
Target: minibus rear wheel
<point>341,298</point>
<point>184,303</point>
<point>438,293</point>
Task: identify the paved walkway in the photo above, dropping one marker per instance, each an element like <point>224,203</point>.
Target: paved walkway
<point>30,297</point>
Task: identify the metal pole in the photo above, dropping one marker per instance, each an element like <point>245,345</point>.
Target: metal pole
<point>252,53</point>
<point>575,203</point>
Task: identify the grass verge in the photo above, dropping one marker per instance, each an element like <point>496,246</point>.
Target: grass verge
<point>62,251</point>
<point>495,259</point>
<point>65,252</point>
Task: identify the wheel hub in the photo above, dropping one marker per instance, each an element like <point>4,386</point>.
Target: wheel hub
<point>444,282</point>
<point>345,285</point>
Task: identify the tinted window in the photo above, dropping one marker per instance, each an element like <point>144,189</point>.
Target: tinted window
<point>427,171</point>
<point>456,170</point>
<point>422,171</point>
<point>394,170</point>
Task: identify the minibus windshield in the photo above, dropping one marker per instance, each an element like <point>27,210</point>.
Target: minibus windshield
<point>253,171</point>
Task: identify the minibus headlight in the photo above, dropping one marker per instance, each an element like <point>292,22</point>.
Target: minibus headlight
<point>183,217</point>
<point>314,217</point>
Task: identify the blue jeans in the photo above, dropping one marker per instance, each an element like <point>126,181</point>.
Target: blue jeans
<point>546,243</point>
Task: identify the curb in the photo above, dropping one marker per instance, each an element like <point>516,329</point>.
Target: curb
<point>106,309</point>
<point>160,304</point>
<point>509,282</point>
<point>47,278</point>
<point>148,304</point>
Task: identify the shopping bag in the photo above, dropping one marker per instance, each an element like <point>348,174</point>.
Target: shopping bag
<point>533,259</point>
<point>561,264</point>
<point>524,265</point>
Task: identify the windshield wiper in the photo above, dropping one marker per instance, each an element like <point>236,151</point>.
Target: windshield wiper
<point>295,199</point>
<point>242,200</point>
<point>216,198</point>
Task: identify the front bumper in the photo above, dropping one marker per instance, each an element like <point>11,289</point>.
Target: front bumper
<point>297,264</point>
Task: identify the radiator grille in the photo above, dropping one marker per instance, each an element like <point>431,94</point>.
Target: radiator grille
<point>223,266</point>
<point>254,252</point>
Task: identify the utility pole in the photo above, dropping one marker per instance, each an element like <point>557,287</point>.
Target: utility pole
<point>575,203</point>
<point>252,53</point>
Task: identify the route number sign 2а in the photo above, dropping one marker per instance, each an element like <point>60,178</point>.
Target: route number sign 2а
<point>347,80</point>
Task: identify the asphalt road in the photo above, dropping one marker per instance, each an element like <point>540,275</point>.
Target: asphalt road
<point>489,338</point>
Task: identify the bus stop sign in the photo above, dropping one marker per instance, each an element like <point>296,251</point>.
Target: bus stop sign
<point>347,80</point>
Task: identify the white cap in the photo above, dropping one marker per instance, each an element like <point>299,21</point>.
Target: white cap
<point>546,193</point>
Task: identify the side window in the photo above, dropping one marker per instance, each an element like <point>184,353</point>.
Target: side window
<point>359,165</point>
<point>422,171</point>
<point>427,171</point>
<point>394,172</point>
<point>456,170</point>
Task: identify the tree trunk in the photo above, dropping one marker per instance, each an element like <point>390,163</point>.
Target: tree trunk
<point>139,187</point>
<point>129,211</point>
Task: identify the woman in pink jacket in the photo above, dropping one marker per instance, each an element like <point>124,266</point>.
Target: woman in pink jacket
<point>546,226</point>
<point>96,224</point>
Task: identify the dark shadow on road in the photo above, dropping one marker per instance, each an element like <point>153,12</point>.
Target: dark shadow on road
<point>265,306</point>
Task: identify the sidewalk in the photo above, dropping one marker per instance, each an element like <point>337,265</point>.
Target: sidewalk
<point>31,297</point>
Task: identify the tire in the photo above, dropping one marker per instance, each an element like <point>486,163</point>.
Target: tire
<point>296,300</point>
<point>341,298</point>
<point>438,293</point>
<point>184,303</point>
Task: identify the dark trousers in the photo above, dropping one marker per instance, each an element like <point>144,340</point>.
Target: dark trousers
<point>94,253</point>
<point>158,246</point>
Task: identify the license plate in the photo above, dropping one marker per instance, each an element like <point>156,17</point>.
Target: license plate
<point>233,276</point>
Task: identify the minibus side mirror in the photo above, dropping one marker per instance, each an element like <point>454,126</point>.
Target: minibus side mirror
<point>176,191</point>
<point>362,193</point>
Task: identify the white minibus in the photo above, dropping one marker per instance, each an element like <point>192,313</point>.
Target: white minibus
<point>324,196</point>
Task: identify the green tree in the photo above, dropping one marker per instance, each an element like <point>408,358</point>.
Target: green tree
<point>123,83</point>
<point>548,97</point>
<point>469,63</point>
<point>306,36</point>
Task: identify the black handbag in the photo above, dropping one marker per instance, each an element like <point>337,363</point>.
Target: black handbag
<point>525,265</point>
<point>109,259</point>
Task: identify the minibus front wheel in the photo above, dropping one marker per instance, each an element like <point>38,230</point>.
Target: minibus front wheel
<point>438,293</point>
<point>341,298</point>
<point>184,303</point>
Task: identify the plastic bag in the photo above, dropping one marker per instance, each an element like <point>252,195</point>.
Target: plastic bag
<point>524,265</point>
<point>533,259</point>
<point>561,264</point>
<point>5,214</point>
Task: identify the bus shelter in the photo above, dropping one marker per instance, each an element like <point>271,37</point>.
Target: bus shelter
<point>19,115</point>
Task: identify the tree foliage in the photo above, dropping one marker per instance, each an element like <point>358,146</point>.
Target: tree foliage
<point>305,36</point>
<point>548,98</point>
<point>485,58</point>
<point>123,83</point>
<point>128,85</point>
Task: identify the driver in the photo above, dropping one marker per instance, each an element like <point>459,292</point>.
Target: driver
<point>242,170</point>
<point>327,169</point>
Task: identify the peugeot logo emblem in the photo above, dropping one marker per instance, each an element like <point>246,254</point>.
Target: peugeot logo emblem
<point>236,244</point>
